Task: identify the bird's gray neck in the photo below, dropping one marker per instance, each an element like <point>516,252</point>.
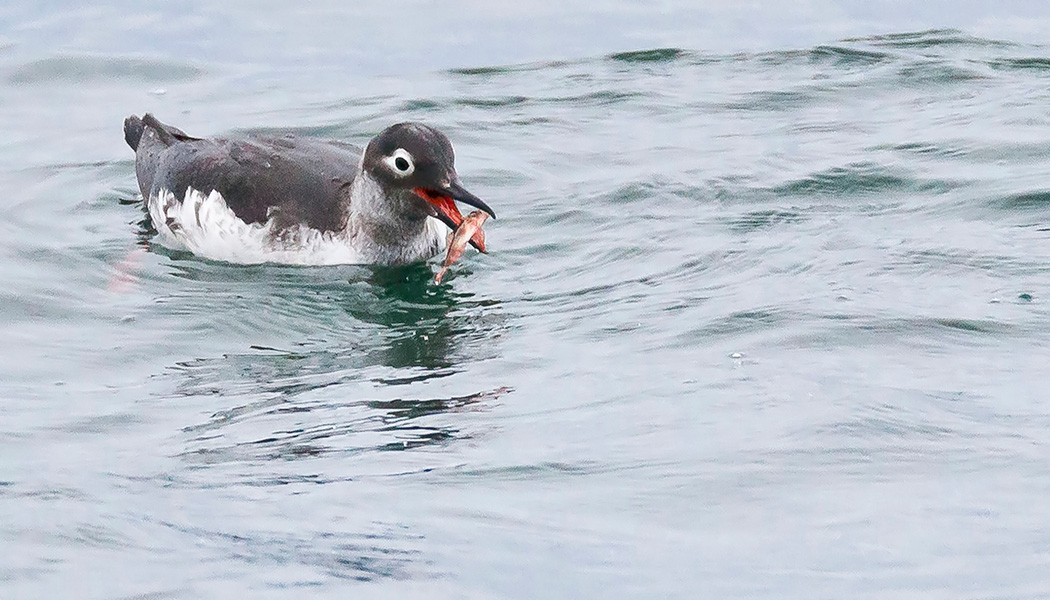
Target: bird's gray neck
<point>390,228</point>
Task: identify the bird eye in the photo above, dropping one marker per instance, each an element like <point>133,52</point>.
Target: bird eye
<point>400,162</point>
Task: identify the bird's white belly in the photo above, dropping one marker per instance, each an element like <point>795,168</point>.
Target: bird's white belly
<point>204,225</point>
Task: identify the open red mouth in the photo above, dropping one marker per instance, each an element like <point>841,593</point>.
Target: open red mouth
<point>449,214</point>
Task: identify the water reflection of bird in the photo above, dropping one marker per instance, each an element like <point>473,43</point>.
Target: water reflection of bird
<point>290,199</point>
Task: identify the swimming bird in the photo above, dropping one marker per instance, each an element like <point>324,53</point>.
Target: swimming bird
<point>299,200</point>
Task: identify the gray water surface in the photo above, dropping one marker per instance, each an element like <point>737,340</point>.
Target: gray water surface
<point>763,315</point>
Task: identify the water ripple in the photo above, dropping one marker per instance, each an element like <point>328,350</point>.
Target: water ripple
<point>88,69</point>
<point>931,38</point>
<point>847,57</point>
<point>657,55</point>
<point>325,426</point>
<point>1027,201</point>
<point>859,179</point>
<point>386,552</point>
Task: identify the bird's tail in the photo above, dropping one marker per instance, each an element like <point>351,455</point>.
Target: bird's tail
<point>134,127</point>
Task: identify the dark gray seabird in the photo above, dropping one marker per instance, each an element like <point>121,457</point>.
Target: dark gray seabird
<point>289,199</point>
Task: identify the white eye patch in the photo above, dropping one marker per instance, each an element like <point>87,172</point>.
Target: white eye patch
<point>400,163</point>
